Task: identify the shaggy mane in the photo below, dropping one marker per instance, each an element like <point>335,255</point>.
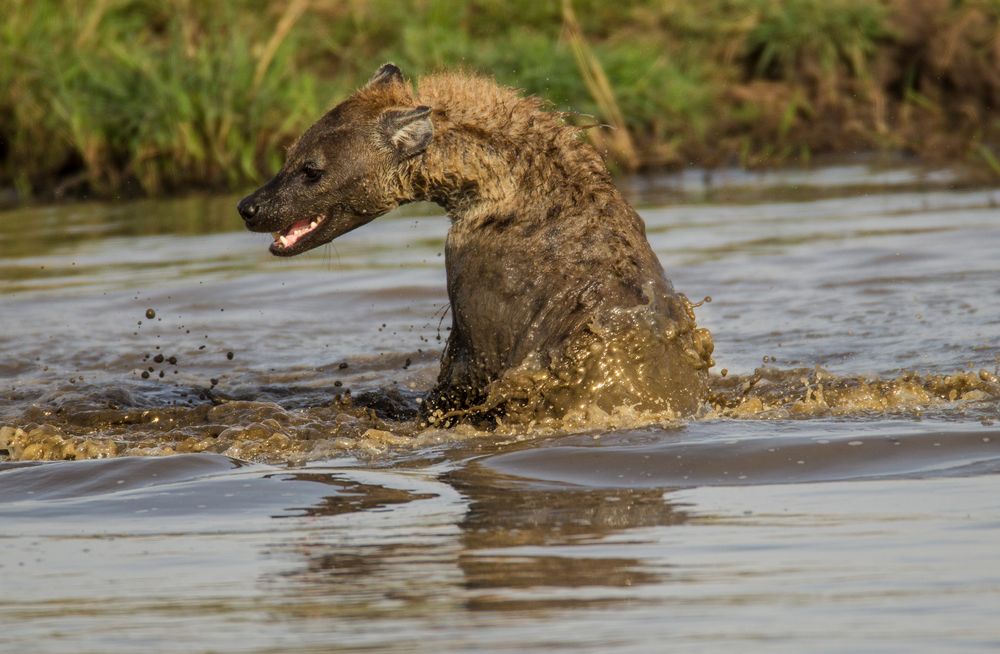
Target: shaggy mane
<point>521,134</point>
<point>479,104</point>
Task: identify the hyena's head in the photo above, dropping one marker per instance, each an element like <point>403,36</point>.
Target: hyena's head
<point>343,172</point>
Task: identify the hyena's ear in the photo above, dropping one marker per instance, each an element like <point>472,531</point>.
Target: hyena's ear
<point>386,74</point>
<point>407,131</point>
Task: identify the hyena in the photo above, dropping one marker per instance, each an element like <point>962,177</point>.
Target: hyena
<point>558,301</point>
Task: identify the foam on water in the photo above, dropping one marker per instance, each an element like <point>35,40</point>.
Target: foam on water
<point>386,420</point>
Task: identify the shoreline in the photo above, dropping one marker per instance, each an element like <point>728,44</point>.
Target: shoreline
<point>832,176</point>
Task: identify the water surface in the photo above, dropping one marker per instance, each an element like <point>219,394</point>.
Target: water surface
<point>838,492</point>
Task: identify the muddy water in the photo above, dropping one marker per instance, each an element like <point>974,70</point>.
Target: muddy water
<point>838,491</point>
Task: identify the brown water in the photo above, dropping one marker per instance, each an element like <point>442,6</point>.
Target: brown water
<point>837,493</point>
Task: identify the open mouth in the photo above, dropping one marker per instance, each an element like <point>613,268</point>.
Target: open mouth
<point>291,240</point>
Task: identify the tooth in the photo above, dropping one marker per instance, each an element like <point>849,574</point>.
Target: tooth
<point>313,224</point>
<point>284,241</point>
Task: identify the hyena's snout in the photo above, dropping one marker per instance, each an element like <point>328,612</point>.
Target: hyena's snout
<point>249,209</point>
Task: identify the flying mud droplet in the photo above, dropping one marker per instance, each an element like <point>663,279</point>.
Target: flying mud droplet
<point>230,355</point>
<point>150,314</point>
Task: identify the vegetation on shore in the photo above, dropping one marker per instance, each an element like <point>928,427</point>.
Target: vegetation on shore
<point>110,97</point>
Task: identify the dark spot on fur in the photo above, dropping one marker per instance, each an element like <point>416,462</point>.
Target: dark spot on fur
<point>498,223</point>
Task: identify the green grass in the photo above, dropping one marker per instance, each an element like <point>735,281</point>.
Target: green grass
<point>797,39</point>
<point>113,97</point>
<point>150,100</point>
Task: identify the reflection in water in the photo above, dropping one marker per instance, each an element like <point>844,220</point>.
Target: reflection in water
<point>351,497</point>
<point>511,539</point>
<point>448,561</point>
<point>370,552</point>
<point>508,514</point>
<point>517,539</point>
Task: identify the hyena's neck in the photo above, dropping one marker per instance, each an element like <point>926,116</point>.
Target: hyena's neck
<point>495,152</point>
<point>463,175</point>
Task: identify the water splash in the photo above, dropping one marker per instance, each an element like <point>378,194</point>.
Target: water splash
<point>373,424</point>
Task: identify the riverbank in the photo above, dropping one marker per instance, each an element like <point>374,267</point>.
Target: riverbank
<point>124,98</point>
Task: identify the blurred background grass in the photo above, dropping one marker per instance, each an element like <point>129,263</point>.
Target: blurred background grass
<point>127,97</point>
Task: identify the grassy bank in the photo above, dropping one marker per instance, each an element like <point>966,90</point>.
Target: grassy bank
<point>113,97</point>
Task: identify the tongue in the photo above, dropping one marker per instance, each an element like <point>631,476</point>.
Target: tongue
<point>294,233</point>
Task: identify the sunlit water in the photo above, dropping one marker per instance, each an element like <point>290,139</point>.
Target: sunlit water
<point>837,494</point>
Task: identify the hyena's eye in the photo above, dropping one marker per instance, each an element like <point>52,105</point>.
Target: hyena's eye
<point>311,172</point>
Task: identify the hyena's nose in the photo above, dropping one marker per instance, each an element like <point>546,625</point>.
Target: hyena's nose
<point>247,209</point>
